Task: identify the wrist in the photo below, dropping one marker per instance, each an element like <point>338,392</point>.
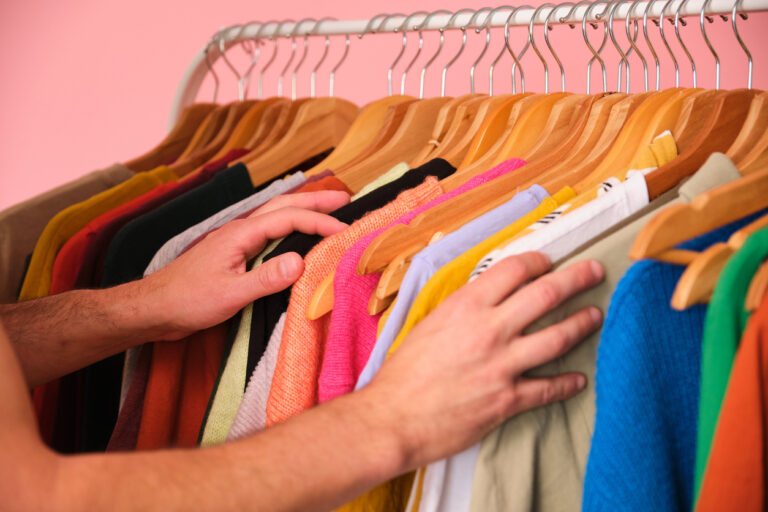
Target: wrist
<point>138,309</point>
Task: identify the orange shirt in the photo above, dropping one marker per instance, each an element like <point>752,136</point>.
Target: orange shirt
<point>736,477</point>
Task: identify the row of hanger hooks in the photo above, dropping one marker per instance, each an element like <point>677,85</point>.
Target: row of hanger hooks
<point>599,14</point>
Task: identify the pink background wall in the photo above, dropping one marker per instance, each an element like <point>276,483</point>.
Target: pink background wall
<point>90,83</point>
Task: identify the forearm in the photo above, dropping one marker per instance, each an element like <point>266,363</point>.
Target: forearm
<point>316,461</point>
<point>59,334</point>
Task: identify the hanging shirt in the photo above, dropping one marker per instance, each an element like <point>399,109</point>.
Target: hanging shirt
<point>735,477</point>
<point>725,323</point>
<point>176,245</point>
<point>21,225</point>
<point>352,331</point>
<point>294,384</point>
<point>72,219</point>
<point>557,238</point>
<point>643,451</point>
<point>267,310</point>
<point>536,460</point>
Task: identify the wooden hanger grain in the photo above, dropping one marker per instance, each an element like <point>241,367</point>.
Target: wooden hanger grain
<point>443,123</point>
<point>173,145</point>
<point>754,127</point>
<point>757,288</point>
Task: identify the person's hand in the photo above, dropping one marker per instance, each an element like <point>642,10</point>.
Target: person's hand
<point>460,372</point>
<point>210,283</point>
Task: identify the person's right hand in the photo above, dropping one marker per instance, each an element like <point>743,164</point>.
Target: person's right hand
<point>459,372</point>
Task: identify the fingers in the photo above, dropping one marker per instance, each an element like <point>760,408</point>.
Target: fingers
<point>530,393</point>
<point>253,233</point>
<point>270,277</point>
<point>495,285</point>
<point>556,340</point>
<point>324,201</point>
<point>548,292</point>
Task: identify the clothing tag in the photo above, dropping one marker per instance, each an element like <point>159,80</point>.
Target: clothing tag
<point>663,134</point>
<point>608,185</point>
<point>550,218</point>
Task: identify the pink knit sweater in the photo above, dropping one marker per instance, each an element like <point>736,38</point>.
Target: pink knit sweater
<point>352,331</point>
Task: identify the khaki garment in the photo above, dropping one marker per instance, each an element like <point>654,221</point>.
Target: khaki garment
<point>536,460</point>
<point>21,225</point>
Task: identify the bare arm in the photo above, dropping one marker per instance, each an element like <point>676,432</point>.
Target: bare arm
<point>457,375</point>
<point>59,334</point>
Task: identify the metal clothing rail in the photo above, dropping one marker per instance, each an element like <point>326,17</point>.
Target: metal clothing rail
<point>198,68</point>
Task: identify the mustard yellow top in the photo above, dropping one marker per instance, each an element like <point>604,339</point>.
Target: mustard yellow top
<point>65,224</point>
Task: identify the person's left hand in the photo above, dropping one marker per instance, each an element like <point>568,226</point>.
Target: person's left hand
<point>209,283</point>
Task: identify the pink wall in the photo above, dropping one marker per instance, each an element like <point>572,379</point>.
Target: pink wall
<point>91,83</point>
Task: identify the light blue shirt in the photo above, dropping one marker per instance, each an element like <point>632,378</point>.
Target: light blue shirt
<point>426,263</point>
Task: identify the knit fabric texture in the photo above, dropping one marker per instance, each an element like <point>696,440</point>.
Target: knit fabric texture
<point>647,387</point>
<point>725,324</point>
<point>294,384</point>
<point>352,331</point>
<point>736,477</point>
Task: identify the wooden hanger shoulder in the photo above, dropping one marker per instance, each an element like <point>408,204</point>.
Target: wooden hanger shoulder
<point>757,157</point>
<point>283,115</point>
<point>464,118</point>
<point>173,145</point>
<point>753,129</point>
<point>207,130</point>
<point>715,133</point>
<point>559,123</point>
<point>246,127</point>
<point>757,288</point>
<point>494,126</point>
<point>410,137</point>
<point>706,212</point>
<point>319,125</point>
<point>700,277</point>
<point>360,135</point>
<point>442,124</point>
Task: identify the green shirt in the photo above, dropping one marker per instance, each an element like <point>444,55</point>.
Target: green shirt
<point>725,322</point>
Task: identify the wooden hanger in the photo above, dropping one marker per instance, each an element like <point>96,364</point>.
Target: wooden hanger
<point>457,144</point>
<point>360,135</point>
<point>534,109</point>
<point>583,134</point>
<point>234,113</point>
<point>708,211</point>
<point>757,157</point>
<point>207,130</point>
<point>273,127</point>
<point>757,288</point>
<point>466,116</point>
<point>445,118</point>
<point>392,121</point>
<point>319,125</point>
<point>450,215</point>
<point>174,144</point>
<point>414,131</point>
<point>495,126</point>
<point>247,126</point>
<point>754,127</point>
<point>713,130</point>
<point>700,277</point>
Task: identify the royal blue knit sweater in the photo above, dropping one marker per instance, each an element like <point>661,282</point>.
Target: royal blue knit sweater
<point>647,386</point>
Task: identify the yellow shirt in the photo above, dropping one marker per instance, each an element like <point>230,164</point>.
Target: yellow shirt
<point>69,221</point>
<point>455,274</point>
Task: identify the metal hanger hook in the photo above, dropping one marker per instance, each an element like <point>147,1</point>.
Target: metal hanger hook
<point>624,56</point>
<point>680,40</point>
<point>463,45</point>
<point>369,28</point>
<point>741,41</point>
<point>532,39</point>
<point>547,28</point>
<point>650,45</point>
<point>404,27</point>
<point>255,54</point>
<point>702,17</point>
<point>516,64</point>
<point>632,40</point>
<point>666,44</point>
<point>595,53</point>
<point>472,21</point>
<point>208,47</point>
<point>260,86</point>
<point>327,44</point>
<point>487,26</point>
<point>287,64</point>
<point>420,28</point>
<point>303,55</point>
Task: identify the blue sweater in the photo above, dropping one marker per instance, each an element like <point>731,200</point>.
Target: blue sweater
<point>647,385</point>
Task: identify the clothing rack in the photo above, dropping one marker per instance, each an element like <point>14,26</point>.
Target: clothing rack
<point>229,36</point>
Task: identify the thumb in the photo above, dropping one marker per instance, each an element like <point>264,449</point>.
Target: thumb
<point>274,275</point>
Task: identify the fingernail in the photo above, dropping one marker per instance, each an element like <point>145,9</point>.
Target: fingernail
<point>596,315</point>
<point>287,267</point>
<point>581,381</point>
<point>597,269</point>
